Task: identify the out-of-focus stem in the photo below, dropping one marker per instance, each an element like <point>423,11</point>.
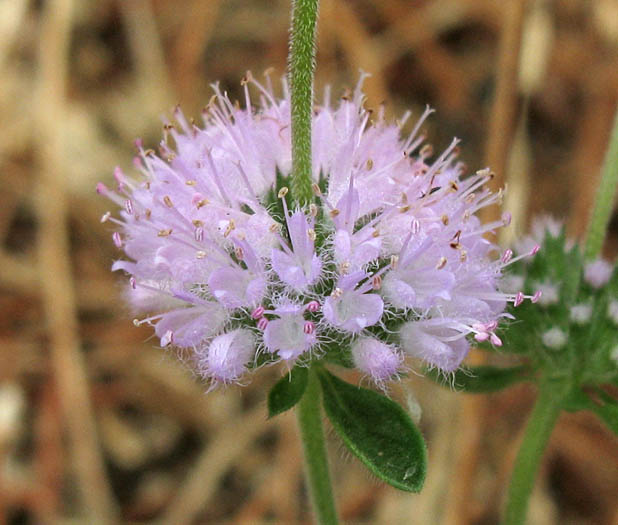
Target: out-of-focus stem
<point>606,193</point>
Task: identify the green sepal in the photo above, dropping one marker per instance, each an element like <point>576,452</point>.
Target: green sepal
<point>287,391</point>
<point>378,431</point>
<point>481,379</point>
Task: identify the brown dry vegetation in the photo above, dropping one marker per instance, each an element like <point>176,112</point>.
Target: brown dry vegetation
<point>97,425</point>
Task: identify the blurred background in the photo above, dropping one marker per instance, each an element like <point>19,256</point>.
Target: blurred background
<point>98,424</point>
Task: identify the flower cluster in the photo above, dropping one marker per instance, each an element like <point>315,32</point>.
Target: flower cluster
<point>390,258</point>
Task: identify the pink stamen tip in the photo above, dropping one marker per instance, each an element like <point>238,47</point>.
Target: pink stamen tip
<point>117,239</point>
<point>519,298</point>
<point>506,218</point>
<point>139,143</point>
<point>313,306</point>
<point>128,206</point>
<point>309,327</point>
<point>101,188</point>
<point>481,336</point>
<point>137,162</point>
<point>262,323</point>
<point>168,337</point>
<point>258,312</point>
<point>495,340</point>
<point>133,283</point>
<point>537,295</point>
<point>535,250</point>
<point>506,256</point>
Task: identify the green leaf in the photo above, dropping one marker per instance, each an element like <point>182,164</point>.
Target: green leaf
<point>287,391</point>
<point>481,379</point>
<point>378,431</point>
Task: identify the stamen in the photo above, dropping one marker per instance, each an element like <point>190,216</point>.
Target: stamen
<point>519,298</point>
<point>283,192</point>
<point>262,323</point>
<point>105,217</point>
<point>313,306</point>
<point>168,202</point>
<point>164,233</point>
<point>308,327</point>
<point>258,312</point>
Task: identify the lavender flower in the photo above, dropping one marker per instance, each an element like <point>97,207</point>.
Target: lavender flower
<point>389,260</point>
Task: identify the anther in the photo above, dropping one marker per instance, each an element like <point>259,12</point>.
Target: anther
<point>337,292</point>
<point>258,312</point>
<point>133,283</point>
<point>128,206</point>
<point>394,261</point>
<point>316,189</point>
<point>308,327</point>
<point>165,233</point>
<point>506,256</point>
<point>376,282</point>
<point>117,239</point>
<point>313,210</point>
<point>238,252</point>
<point>231,226</point>
<point>274,227</point>
<point>535,249</point>
<point>105,217</point>
<point>311,234</point>
<point>262,323</point>
<point>506,218</point>
<point>444,220</point>
<point>344,267</point>
<point>537,295</point>
<point>200,254</point>
<point>416,226</point>
<point>199,234</point>
<point>519,298</point>
<point>282,192</point>
<point>463,256</point>
<point>441,263</point>
<point>334,212</point>
<point>197,223</point>
<point>190,182</point>
<point>369,164</point>
<point>313,306</point>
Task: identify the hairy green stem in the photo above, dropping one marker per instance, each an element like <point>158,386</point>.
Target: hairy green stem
<point>606,193</point>
<point>538,429</point>
<point>316,461</point>
<point>301,64</point>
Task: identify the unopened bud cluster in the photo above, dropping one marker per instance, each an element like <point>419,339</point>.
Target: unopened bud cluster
<point>574,327</point>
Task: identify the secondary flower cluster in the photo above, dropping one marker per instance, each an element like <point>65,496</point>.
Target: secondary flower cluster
<point>389,260</point>
<point>575,322</point>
